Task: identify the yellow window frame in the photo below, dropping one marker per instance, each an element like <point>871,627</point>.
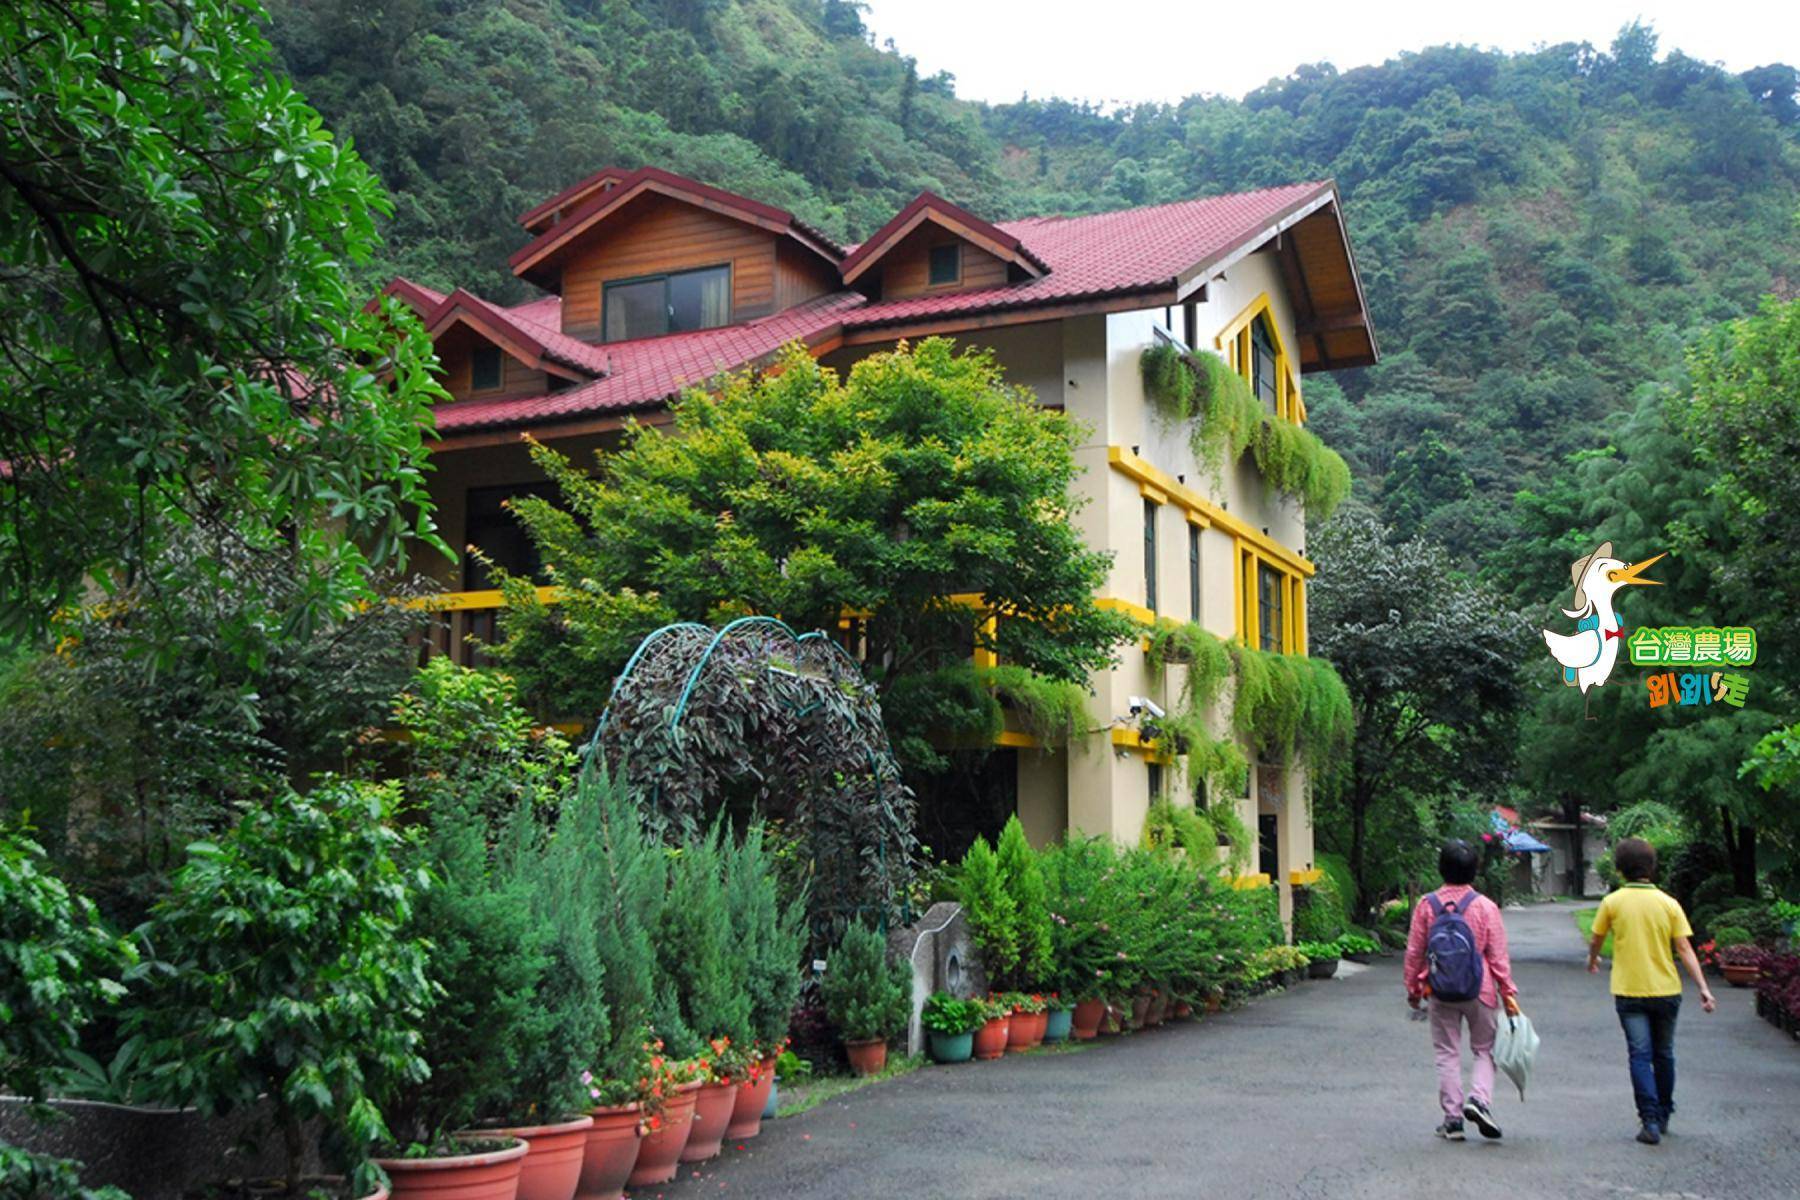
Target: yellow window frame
<point>1247,583</point>
<point>1234,342</point>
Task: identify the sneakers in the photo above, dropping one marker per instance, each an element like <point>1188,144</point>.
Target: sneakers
<point>1667,1113</point>
<point>1451,1130</point>
<point>1477,1112</point>
<point>1650,1135</point>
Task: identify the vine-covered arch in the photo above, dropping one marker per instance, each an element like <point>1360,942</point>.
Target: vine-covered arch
<point>754,715</point>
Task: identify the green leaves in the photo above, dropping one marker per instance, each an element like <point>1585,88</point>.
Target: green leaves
<point>865,995</point>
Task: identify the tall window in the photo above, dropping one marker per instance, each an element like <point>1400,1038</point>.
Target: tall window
<point>1193,572</point>
<point>484,369</point>
<point>946,263</point>
<point>1268,603</point>
<point>1156,781</point>
<point>1262,363</point>
<point>673,303</point>
<point>1150,555</point>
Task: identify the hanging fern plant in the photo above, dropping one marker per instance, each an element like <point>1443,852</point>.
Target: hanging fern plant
<point>1186,643</point>
<point>1228,420</point>
<point>1289,706</point>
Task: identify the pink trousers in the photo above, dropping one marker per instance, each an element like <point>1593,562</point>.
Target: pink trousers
<point>1447,1017</point>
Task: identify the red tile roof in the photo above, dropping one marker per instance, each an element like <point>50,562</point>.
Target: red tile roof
<point>539,340</point>
<point>1088,258</point>
<point>928,205</point>
<point>1108,254</point>
<point>648,371</point>
<point>570,194</point>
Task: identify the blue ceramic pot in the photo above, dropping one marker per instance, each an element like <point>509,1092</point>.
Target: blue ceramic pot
<point>1056,1028</point>
<point>952,1047</point>
<point>769,1108</point>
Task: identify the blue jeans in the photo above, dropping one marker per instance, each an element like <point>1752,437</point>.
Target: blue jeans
<point>1649,1024</point>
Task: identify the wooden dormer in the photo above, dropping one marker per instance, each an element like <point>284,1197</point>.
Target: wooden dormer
<point>647,253</point>
<point>933,247</point>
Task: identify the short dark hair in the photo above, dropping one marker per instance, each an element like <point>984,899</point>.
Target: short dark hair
<point>1458,862</point>
<point>1635,858</point>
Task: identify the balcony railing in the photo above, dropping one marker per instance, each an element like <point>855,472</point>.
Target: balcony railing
<point>469,621</point>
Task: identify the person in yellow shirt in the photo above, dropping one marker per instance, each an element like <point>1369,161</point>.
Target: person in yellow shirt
<point>1648,930</point>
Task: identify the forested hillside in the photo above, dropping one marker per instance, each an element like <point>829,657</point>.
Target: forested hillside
<point>1540,233</point>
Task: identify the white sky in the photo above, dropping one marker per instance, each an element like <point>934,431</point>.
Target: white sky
<point>1129,50</point>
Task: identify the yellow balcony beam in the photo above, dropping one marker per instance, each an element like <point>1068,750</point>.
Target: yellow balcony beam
<point>1141,472</point>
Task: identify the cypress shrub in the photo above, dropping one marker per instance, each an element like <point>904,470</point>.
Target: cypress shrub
<point>1023,878</point>
<point>865,995</point>
<point>770,934</point>
<point>990,910</point>
<point>703,986</point>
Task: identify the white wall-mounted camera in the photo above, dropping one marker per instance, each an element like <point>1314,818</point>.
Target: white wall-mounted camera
<point>1143,704</point>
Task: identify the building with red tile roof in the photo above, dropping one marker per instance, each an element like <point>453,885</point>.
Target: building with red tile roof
<point>653,283</point>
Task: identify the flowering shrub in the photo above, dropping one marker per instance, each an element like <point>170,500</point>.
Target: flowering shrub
<point>1743,954</point>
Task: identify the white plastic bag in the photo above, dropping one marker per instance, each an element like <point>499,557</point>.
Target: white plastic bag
<point>1515,1049</point>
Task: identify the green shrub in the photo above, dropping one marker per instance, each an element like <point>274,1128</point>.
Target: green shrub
<point>1290,705</point>
<point>947,1014</point>
<point>865,995</point>
<point>29,1176</point>
<point>703,981</point>
<point>1023,878</point>
<point>58,968</point>
<point>770,935</point>
<point>284,967</point>
<point>990,910</point>
<point>1731,935</point>
<point>1319,912</point>
<point>1337,869</point>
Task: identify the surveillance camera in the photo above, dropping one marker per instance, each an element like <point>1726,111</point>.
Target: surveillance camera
<point>1143,704</point>
<point>1154,708</point>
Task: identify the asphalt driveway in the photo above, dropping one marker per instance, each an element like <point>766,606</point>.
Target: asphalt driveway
<point>1324,1091</point>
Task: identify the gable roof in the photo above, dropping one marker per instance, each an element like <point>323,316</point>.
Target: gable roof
<point>647,372</point>
<point>419,298</point>
<point>526,340</point>
<point>1103,262</point>
<point>528,260</point>
<point>928,208</point>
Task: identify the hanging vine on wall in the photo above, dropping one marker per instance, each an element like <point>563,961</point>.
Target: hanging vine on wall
<point>967,703</point>
<point>1289,705</point>
<point>1226,419</point>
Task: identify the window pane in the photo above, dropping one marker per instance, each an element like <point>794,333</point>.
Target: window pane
<point>946,263</point>
<point>635,310</point>
<point>1263,364</point>
<point>1150,555</point>
<point>700,299</point>
<point>1193,572</point>
<point>484,369</point>
<point>1268,586</point>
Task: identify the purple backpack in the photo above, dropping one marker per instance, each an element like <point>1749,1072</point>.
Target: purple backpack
<point>1450,949</point>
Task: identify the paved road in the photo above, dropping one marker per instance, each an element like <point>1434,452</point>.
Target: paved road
<point>1326,1091</point>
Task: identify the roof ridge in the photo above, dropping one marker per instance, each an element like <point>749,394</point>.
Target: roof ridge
<point>1306,185</point>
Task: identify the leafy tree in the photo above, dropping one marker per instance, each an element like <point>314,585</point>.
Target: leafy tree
<point>280,965</point>
<point>922,476</point>
<point>1430,660</point>
<point>58,967</point>
<point>182,340</point>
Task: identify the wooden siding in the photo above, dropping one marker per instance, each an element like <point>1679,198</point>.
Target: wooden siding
<point>455,352</point>
<point>800,276</point>
<point>661,235</point>
<point>906,269</point>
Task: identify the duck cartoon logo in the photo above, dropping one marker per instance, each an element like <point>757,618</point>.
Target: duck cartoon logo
<point>1587,655</point>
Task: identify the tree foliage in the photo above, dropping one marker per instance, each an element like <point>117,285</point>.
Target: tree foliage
<point>183,341</point>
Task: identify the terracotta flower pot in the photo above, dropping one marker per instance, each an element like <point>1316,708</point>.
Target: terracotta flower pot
<point>553,1157</point>
<point>713,1104</point>
<point>990,1039</point>
<point>1215,1001</point>
<point>1027,1031</point>
<point>1740,976</point>
<point>1086,1020</point>
<point>659,1151</point>
<point>1158,1010</point>
<point>488,1175</point>
<point>1113,1021</point>
<point>1140,1009</point>
<point>867,1056</point>
<point>1056,1024</point>
<point>612,1150</point>
<point>1182,1010</point>
<point>752,1099</point>
<point>379,1193</point>
<point>1040,1021</point>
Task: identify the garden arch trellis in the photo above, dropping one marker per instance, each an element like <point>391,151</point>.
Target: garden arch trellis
<point>754,712</point>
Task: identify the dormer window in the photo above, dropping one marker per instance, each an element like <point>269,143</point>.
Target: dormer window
<point>484,369</point>
<point>946,264</point>
<point>678,302</point>
<point>1262,365</point>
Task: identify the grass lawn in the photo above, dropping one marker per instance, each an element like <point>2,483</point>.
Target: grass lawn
<point>1584,920</point>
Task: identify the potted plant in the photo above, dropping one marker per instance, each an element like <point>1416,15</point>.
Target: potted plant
<point>1321,959</point>
<point>670,1091</point>
<point>270,976</point>
<point>723,1069</point>
<point>866,997</point>
<point>950,1024</point>
<point>1028,1018</point>
<point>1358,946</point>
<point>996,1028</point>
<point>771,937</point>
<point>792,1069</point>
<point>1059,1019</point>
<point>1741,963</point>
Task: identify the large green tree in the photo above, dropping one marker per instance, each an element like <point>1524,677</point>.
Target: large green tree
<point>182,338</point>
<point>920,477</point>
<point>1431,661</point>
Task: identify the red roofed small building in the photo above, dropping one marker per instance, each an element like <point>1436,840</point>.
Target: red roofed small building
<point>654,283</point>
